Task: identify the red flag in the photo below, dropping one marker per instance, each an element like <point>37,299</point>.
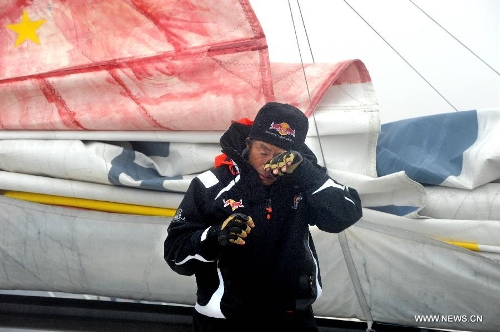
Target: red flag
<point>130,65</point>
<point>145,65</point>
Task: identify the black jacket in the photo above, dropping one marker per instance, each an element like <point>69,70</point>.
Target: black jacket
<point>277,269</point>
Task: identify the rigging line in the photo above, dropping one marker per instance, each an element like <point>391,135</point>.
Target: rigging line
<point>352,97</point>
<point>312,55</point>
<point>305,30</point>
<point>416,71</point>
<point>305,78</point>
<point>468,49</point>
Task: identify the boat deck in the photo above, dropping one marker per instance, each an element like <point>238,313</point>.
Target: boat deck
<point>38,313</point>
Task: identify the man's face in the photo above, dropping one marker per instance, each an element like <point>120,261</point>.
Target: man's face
<point>259,153</point>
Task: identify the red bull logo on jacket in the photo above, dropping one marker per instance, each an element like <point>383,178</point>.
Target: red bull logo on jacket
<point>283,128</point>
<point>233,204</point>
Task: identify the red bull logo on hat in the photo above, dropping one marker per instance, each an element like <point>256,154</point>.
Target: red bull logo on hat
<point>233,204</point>
<point>283,128</point>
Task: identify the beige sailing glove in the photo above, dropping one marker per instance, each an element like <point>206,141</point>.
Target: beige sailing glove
<point>235,229</point>
<point>285,162</point>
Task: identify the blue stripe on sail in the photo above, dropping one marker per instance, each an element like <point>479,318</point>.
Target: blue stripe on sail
<point>160,149</point>
<point>149,177</point>
<point>429,149</point>
<point>395,209</point>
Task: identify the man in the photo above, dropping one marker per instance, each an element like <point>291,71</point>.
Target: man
<point>243,227</point>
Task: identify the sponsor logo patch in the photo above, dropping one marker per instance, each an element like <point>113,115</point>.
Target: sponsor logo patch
<point>178,216</point>
<point>296,201</point>
<point>283,129</point>
<point>233,204</point>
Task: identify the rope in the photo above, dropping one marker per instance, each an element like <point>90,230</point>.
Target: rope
<point>452,36</point>
<point>305,77</point>
<point>342,237</point>
<point>416,71</point>
<point>353,273</point>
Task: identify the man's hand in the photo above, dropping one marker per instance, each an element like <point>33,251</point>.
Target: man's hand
<point>234,229</point>
<point>285,162</point>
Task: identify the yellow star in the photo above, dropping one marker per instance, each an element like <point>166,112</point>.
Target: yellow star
<point>26,29</point>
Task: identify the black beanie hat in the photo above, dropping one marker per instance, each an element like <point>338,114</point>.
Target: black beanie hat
<point>280,124</point>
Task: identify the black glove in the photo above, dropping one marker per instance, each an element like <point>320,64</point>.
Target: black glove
<point>285,162</point>
<point>234,229</point>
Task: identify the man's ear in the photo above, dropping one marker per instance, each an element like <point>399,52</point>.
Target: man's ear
<point>248,142</point>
